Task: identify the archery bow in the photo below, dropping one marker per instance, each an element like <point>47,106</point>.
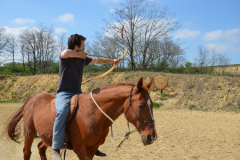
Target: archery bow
<point>114,65</point>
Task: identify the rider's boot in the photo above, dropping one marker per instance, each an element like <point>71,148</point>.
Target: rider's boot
<point>56,154</point>
<point>99,153</point>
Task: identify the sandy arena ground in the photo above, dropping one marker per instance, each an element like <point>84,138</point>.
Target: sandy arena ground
<point>182,135</point>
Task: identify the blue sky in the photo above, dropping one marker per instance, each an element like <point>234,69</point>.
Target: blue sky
<point>214,24</point>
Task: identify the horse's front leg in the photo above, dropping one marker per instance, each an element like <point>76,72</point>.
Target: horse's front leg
<point>85,154</point>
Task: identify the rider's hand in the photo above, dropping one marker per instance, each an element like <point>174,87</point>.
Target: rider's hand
<point>116,61</point>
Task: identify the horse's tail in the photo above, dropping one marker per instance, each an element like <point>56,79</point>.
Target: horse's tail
<point>11,129</point>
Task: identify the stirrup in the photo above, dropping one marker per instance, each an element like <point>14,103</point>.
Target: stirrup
<point>68,146</point>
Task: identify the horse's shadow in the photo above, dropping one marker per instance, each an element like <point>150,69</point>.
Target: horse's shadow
<point>172,96</point>
<point>168,96</point>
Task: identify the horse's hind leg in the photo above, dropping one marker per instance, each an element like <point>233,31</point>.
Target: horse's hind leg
<point>42,150</point>
<point>29,137</point>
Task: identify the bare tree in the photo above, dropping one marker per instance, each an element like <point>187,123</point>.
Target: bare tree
<point>22,52</point>
<point>213,60</point>
<point>220,59</point>
<point>30,44</point>
<point>107,49</point>
<point>213,57</point>
<point>12,48</point>
<point>62,42</point>
<point>203,57</point>
<point>40,46</point>
<point>167,53</point>
<point>46,47</point>
<point>3,44</point>
<point>145,22</point>
<point>223,59</point>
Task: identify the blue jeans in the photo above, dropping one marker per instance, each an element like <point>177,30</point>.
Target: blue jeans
<point>62,106</point>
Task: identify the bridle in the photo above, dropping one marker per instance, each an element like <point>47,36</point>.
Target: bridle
<point>126,136</point>
<point>144,121</point>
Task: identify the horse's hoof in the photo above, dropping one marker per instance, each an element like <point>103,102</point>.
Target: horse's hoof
<point>99,153</point>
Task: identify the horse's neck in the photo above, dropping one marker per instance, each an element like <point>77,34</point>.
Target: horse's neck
<point>114,99</point>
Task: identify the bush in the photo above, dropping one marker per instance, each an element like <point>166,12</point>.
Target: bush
<point>192,107</point>
<point>156,105</point>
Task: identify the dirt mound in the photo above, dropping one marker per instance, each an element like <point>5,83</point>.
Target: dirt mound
<point>183,91</point>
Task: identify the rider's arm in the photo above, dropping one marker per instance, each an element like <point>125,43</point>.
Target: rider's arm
<point>103,61</point>
<point>68,53</point>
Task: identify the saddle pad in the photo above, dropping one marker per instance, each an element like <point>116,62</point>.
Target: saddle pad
<point>72,110</point>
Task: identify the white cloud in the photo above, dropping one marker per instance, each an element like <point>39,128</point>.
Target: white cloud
<point>159,27</point>
<point>60,30</point>
<point>68,17</point>
<point>233,35</point>
<point>22,21</point>
<point>223,47</point>
<point>218,47</point>
<point>215,35</point>
<point>223,41</point>
<point>186,33</point>
<point>14,31</point>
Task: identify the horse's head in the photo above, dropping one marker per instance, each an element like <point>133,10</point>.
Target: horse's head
<point>139,111</point>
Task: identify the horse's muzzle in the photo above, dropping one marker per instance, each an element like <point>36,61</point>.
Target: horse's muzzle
<point>148,140</point>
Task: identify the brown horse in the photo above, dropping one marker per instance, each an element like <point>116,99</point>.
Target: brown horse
<point>89,126</point>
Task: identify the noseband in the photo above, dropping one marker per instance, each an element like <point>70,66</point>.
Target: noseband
<point>144,121</point>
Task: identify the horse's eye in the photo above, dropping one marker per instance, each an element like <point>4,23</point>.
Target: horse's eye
<point>141,106</point>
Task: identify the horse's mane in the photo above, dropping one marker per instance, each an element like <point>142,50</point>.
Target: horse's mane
<point>116,85</point>
<point>122,84</point>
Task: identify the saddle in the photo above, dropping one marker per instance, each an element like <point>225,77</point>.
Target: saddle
<point>72,110</point>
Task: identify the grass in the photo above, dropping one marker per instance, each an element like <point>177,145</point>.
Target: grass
<point>156,105</point>
<point>162,96</point>
<point>50,90</point>
<point>10,101</point>
<point>191,107</point>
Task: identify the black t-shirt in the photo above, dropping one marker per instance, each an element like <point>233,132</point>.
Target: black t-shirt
<point>71,72</point>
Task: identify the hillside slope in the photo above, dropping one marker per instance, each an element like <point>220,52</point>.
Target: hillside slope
<point>197,92</point>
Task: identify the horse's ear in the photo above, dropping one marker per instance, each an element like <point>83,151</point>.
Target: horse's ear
<point>139,84</point>
<point>149,84</point>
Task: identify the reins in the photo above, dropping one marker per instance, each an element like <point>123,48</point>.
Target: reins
<point>117,145</point>
<point>126,134</point>
<point>106,114</point>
